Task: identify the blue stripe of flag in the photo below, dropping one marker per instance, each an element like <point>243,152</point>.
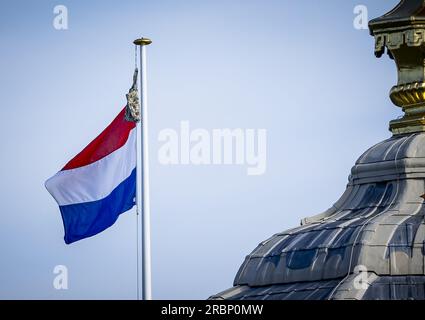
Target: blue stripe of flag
<point>86,219</point>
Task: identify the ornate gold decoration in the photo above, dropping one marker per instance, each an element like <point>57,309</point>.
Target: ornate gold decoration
<point>406,95</point>
<point>408,124</point>
<point>402,33</point>
<point>393,41</point>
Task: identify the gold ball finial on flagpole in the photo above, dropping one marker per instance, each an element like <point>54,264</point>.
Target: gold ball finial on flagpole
<point>142,42</point>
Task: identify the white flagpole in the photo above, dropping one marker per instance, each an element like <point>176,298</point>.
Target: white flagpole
<point>142,186</point>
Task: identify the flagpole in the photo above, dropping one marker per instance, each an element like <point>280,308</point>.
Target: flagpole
<point>142,185</point>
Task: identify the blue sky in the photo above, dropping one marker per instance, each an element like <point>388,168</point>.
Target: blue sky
<point>298,69</point>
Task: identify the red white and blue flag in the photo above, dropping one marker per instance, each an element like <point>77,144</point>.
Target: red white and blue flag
<point>99,184</point>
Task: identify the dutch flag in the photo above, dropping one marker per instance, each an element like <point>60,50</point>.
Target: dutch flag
<point>99,184</point>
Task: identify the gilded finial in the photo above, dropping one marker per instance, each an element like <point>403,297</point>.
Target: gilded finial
<point>401,32</point>
<point>142,42</point>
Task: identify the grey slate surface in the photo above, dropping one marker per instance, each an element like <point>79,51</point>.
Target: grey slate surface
<point>377,224</point>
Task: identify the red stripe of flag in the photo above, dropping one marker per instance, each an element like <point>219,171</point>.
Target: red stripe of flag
<point>111,139</point>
